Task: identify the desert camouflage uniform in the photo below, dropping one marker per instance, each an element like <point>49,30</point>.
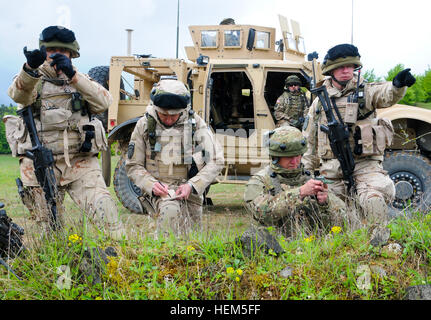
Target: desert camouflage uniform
<point>170,165</point>
<point>61,130</point>
<point>291,109</point>
<point>374,188</point>
<point>273,194</point>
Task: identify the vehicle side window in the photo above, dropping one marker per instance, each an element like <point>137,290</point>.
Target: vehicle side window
<point>232,38</point>
<point>262,40</point>
<point>209,39</point>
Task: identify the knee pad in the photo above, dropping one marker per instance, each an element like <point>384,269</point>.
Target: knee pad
<point>376,210</point>
<point>106,215</point>
<point>170,209</point>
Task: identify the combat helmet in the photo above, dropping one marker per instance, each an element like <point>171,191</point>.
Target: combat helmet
<point>170,96</point>
<point>341,55</point>
<point>61,37</point>
<point>286,141</point>
<point>292,80</point>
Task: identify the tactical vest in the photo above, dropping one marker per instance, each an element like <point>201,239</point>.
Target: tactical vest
<point>166,156</point>
<point>292,101</point>
<point>369,136</point>
<point>273,182</point>
<point>66,126</point>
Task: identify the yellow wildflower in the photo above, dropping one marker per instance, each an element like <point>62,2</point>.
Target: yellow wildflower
<point>237,279</point>
<point>239,272</point>
<point>190,248</point>
<point>230,270</point>
<point>75,238</point>
<point>336,229</point>
<point>310,239</point>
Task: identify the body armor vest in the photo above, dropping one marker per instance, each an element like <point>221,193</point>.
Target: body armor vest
<point>369,136</point>
<point>166,156</point>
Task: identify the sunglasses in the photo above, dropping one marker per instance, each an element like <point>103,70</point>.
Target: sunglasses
<point>58,33</point>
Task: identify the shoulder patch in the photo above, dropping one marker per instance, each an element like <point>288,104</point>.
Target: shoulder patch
<point>131,150</point>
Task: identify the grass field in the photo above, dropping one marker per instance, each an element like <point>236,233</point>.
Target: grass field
<point>210,265</point>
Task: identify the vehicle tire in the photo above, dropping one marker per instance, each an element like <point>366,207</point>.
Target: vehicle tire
<point>127,192</point>
<point>101,75</point>
<point>411,173</point>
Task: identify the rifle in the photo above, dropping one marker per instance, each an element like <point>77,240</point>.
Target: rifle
<point>338,134</point>
<point>43,162</point>
<point>311,80</point>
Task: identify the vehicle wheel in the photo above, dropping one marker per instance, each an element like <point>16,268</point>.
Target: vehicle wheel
<point>411,173</point>
<point>101,75</point>
<point>127,192</point>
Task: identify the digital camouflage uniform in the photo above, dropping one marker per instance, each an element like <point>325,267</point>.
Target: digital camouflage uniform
<point>168,159</point>
<point>273,194</point>
<point>291,107</point>
<point>374,188</point>
<point>61,129</point>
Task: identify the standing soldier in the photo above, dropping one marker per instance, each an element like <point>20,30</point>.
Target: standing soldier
<point>292,106</point>
<point>285,196</point>
<point>356,101</point>
<point>64,102</point>
<point>173,157</point>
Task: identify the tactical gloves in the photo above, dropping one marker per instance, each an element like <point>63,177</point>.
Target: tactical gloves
<point>63,63</point>
<point>36,57</point>
<point>404,78</point>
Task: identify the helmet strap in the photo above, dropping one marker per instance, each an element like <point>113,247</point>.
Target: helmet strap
<point>341,83</point>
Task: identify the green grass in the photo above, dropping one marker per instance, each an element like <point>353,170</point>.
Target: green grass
<point>209,264</point>
<point>424,105</point>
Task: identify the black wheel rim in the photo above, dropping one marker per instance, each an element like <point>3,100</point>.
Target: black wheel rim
<point>408,187</point>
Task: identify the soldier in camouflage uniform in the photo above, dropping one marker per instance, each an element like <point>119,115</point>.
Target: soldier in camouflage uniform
<point>63,102</point>
<point>283,195</point>
<point>357,103</point>
<point>173,157</point>
<point>292,106</point>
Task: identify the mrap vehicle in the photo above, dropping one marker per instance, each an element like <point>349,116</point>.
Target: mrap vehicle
<point>235,74</point>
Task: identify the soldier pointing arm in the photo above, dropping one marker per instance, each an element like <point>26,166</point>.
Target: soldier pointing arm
<point>356,101</point>
<point>63,100</point>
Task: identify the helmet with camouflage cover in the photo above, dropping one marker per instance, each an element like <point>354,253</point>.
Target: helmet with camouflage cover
<point>341,55</point>
<point>59,37</point>
<point>170,96</point>
<point>286,141</point>
<point>292,80</point>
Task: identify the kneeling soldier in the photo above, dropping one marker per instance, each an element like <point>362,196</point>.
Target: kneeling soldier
<point>285,196</point>
<point>173,157</point>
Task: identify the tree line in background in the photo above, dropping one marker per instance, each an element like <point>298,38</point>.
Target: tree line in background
<point>4,110</point>
<point>417,95</point>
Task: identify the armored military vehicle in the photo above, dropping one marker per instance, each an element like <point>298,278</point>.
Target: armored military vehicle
<point>235,74</point>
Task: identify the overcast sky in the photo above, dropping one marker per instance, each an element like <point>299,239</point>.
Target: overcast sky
<point>387,32</point>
